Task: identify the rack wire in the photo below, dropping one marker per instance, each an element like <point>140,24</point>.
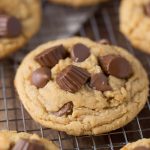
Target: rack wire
<point>104,24</point>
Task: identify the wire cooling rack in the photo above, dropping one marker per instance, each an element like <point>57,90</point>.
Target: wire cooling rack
<point>104,24</point>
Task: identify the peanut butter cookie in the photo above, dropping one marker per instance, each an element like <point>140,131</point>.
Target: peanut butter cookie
<point>18,23</point>
<point>11,140</point>
<point>135,22</point>
<point>143,144</point>
<point>81,87</point>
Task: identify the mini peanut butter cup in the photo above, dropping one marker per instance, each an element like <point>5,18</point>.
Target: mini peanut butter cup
<point>50,57</point>
<point>72,78</point>
<point>116,65</point>
<point>9,26</point>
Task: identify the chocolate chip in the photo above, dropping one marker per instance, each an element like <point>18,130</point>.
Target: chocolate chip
<point>100,82</point>
<point>103,41</point>
<point>40,77</point>
<point>50,57</point>
<point>80,52</point>
<point>9,26</point>
<point>72,78</point>
<point>66,109</point>
<point>116,66</point>
<point>24,144</point>
<point>147,9</point>
<point>141,148</point>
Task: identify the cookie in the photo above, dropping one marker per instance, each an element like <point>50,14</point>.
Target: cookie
<point>81,87</point>
<point>11,140</point>
<point>77,3</point>
<point>142,144</point>
<point>135,21</point>
<point>18,23</point>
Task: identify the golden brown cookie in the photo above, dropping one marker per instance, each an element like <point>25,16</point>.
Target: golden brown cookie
<point>11,140</point>
<point>78,3</point>
<point>18,23</point>
<point>142,144</point>
<point>135,22</point>
<point>81,87</point>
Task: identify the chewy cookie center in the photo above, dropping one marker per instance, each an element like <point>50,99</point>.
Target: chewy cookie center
<point>75,79</point>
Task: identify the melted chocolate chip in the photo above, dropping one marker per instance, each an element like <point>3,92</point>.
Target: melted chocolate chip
<point>50,57</point>
<point>116,66</point>
<point>72,78</point>
<point>24,144</point>
<point>40,77</point>
<point>147,9</point>
<point>80,52</point>
<point>103,41</point>
<point>66,109</point>
<point>100,82</point>
<point>141,148</point>
<point>9,26</point>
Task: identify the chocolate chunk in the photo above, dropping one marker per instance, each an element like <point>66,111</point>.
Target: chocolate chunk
<point>50,57</point>
<point>147,9</point>
<point>116,66</point>
<point>141,148</point>
<point>40,77</point>
<point>100,82</point>
<point>80,52</point>
<point>66,109</point>
<point>9,26</point>
<point>103,41</point>
<point>24,144</point>
<point>72,78</point>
